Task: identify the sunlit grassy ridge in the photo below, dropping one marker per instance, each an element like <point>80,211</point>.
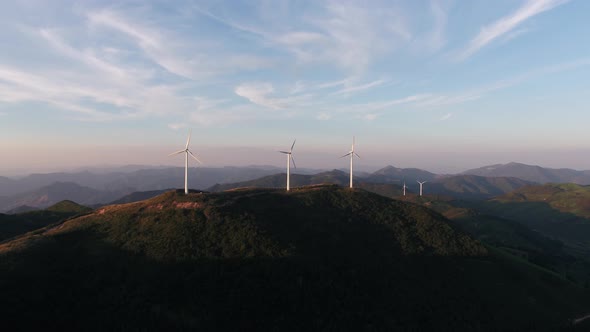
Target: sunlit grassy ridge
<point>317,258</point>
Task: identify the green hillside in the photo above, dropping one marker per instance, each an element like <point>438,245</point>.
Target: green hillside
<point>318,258</point>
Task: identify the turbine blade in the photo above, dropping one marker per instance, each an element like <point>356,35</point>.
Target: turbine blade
<point>174,153</point>
<point>293,160</point>
<point>293,145</point>
<point>195,157</point>
<point>357,155</point>
<point>285,152</point>
<point>188,141</point>
<point>348,154</point>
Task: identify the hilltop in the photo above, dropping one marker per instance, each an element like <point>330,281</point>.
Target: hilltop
<point>317,258</point>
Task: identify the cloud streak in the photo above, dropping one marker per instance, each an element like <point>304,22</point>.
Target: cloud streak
<point>506,24</point>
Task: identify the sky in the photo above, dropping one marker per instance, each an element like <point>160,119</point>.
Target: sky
<point>439,85</point>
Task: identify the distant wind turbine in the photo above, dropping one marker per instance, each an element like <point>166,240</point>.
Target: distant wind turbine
<point>187,152</point>
<point>351,153</point>
<point>289,161</point>
<point>421,183</point>
<point>405,187</point>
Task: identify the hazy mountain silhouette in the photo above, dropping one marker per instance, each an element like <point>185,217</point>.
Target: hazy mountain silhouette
<point>391,174</point>
<point>472,186</point>
<point>460,186</point>
<point>533,173</point>
<point>56,192</point>
<point>138,180</point>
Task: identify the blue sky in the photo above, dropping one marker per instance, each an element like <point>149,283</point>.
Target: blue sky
<point>440,85</point>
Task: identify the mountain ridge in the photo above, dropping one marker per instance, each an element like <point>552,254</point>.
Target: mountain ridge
<point>533,173</point>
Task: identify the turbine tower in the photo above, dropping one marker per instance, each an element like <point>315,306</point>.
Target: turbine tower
<point>187,152</point>
<point>421,183</point>
<point>405,187</point>
<point>289,161</point>
<point>351,153</point>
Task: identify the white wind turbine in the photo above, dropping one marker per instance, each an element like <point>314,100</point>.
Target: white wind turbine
<point>289,161</point>
<point>405,187</point>
<point>187,152</point>
<point>421,183</point>
<point>351,153</point>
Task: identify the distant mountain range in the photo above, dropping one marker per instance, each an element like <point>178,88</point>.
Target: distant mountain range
<point>56,192</point>
<point>139,180</point>
<point>391,174</point>
<point>533,173</point>
<point>41,190</point>
<point>472,186</point>
<point>459,186</point>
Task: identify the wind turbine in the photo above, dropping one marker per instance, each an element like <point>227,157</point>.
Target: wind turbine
<point>351,153</point>
<point>421,183</point>
<point>289,160</point>
<point>405,187</point>
<point>187,152</point>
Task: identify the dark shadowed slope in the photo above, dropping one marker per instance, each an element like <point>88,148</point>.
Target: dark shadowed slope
<point>20,223</point>
<point>560,211</point>
<point>318,258</point>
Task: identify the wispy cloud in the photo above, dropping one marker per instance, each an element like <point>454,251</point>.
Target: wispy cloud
<point>323,116</point>
<point>437,39</point>
<point>446,117</point>
<point>370,116</point>
<point>506,24</point>
<point>177,126</point>
<point>175,54</point>
<point>344,34</point>
<point>362,87</point>
<point>263,94</point>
